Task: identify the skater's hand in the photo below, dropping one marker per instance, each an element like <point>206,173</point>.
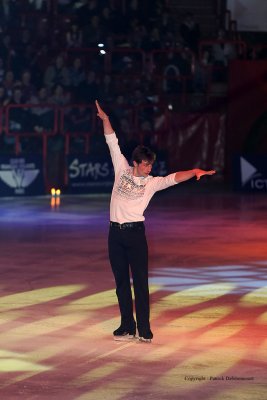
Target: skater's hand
<point>101,114</point>
<point>201,172</point>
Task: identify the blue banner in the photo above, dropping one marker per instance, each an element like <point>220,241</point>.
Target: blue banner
<point>88,174</point>
<point>95,174</point>
<point>250,173</point>
<point>21,176</point>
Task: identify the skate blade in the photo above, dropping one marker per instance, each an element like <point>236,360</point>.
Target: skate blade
<point>124,338</point>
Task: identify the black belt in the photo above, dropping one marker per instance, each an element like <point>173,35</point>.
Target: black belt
<point>127,225</point>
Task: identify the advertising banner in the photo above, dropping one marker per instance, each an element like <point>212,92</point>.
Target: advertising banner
<point>250,173</point>
<point>88,174</point>
<point>92,174</point>
<point>21,176</point>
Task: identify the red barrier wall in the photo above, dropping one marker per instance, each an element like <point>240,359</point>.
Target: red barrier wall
<point>197,140</point>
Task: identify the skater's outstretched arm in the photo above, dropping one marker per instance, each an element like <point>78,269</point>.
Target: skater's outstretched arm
<point>182,176</point>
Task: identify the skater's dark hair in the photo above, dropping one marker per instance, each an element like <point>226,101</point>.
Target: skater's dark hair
<point>141,153</point>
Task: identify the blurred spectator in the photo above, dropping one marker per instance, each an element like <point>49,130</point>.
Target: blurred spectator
<point>166,23</point>
<point>190,32</point>
<point>179,60</point>
<point>92,32</point>
<point>9,83</point>
<point>8,13</point>
<point>137,98</point>
<point>172,80</point>
<point>65,6</point>
<point>118,21</point>
<point>74,37</point>
<point>89,90</point>
<point>137,36</point>
<point>27,87</point>
<point>38,5</point>
<point>40,61</point>
<point>127,62</point>
<point>43,116</point>
<point>77,77</point>
<point>57,73</point>
<point>107,21</point>
<point>109,42</point>
<point>4,99</point>
<point>42,31</point>
<point>24,47</point>
<point>19,120</point>
<point>2,70</point>
<point>127,138</point>
<point>78,119</point>
<point>152,41</point>
<point>143,106</point>
<point>7,52</point>
<point>5,141</point>
<point>23,39</point>
<point>202,71</point>
<point>133,10</point>
<point>121,107</point>
<point>152,15</point>
<point>169,40</point>
<point>28,61</point>
<point>222,52</point>
<point>106,89</point>
<point>86,10</point>
<point>59,96</point>
<point>147,132</point>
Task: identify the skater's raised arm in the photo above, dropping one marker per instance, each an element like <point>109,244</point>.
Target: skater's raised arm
<point>105,119</point>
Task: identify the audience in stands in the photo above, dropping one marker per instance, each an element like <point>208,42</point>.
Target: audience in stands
<point>42,112</point>
<point>57,73</point>
<point>53,57</point>
<point>2,70</point>
<point>28,89</point>
<point>74,37</point>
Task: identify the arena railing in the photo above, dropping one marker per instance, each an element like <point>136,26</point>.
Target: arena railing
<point>147,123</point>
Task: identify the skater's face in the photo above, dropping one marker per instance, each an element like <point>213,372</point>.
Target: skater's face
<point>142,169</point>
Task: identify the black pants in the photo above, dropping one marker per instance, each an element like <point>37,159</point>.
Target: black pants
<point>128,247</point>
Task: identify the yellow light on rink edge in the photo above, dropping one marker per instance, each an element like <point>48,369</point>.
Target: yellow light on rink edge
<point>55,192</point>
<point>55,198</point>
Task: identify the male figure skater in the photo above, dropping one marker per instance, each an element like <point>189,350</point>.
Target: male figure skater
<point>133,188</point>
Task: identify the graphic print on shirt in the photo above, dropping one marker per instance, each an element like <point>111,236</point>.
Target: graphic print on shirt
<point>127,188</point>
